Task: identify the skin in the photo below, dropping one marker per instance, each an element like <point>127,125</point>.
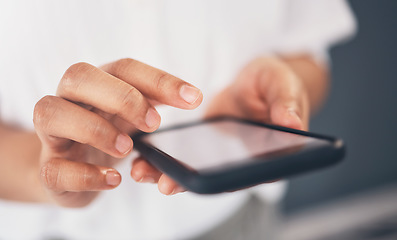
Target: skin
<point>83,130</point>
<point>281,91</point>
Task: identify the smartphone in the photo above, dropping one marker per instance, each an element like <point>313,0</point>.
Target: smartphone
<point>226,154</point>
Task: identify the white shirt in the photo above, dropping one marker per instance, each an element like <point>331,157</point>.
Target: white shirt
<point>205,42</point>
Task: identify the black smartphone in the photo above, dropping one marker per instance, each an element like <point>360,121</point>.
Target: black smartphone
<point>226,154</point>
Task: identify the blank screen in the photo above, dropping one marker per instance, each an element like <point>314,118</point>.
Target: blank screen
<point>221,143</point>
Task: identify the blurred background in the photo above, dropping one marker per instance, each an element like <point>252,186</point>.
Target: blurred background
<point>362,110</point>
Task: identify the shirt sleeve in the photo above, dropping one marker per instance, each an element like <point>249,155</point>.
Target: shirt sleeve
<point>312,26</point>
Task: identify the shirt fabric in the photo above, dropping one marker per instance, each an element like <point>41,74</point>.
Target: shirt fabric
<point>205,42</point>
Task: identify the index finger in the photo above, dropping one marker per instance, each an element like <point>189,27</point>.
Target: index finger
<point>156,84</point>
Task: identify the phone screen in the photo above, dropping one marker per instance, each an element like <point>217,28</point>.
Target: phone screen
<point>226,143</point>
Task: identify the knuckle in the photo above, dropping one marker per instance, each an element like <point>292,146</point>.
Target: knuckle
<point>121,65</point>
<point>161,81</point>
<point>78,69</point>
<point>74,76</point>
<point>49,175</point>
<point>87,179</point>
<point>97,130</point>
<point>125,61</point>
<point>43,111</point>
<point>132,99</point>
<point>165,83</point>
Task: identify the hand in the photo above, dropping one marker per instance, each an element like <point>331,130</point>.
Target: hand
<point>86,127</point>
<point>266,90</point>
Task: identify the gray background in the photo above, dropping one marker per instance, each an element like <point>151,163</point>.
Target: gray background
<point>361,109</point>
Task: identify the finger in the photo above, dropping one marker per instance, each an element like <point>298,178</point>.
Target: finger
<point>89,85</point>
<point>286,113</point>
<point>156,84</point>
<point>168,186</point>
<point>144,172</point>
<point>61,175</point>
<point>56,118</point>
<point>285,95</point>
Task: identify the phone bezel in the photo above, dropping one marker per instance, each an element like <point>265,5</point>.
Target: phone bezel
<point>244,174</point>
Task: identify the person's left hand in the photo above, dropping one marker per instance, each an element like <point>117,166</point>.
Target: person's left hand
<point>266,90</point>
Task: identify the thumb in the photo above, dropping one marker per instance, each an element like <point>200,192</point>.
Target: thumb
<point>288,114</point>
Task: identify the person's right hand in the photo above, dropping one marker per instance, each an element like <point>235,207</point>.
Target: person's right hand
<point>86,127</point>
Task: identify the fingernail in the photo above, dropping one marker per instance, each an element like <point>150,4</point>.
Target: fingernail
<point>123,143</point>
<point>298,121</point>
<point>152,118</point>
<point>189,94</point>
<point>113,178</point>
<point>147,180</point>
<point>178,189</point>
